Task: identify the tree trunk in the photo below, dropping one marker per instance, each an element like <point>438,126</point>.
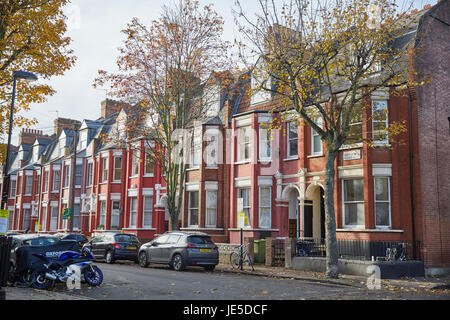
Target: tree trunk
<point>330,219</point>
<point>173,216</point>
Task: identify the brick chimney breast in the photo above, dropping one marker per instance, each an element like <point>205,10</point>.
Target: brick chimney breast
<point>28,136</point>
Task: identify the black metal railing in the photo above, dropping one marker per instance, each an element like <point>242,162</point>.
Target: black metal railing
<point>278,252</point>
<point>5,250</point>
<point>358,249</point>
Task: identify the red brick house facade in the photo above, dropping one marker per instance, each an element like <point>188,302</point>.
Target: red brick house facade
<point>400,193</point>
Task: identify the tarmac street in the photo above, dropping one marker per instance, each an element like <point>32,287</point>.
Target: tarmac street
<point>128,281</point>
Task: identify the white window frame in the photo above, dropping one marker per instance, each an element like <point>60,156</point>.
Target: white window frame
<point>56,183</point>
<point>265,207</point>
<point>319,122</point>
<point>244,133</point>
<point>265,143</point>
<point>386,122</point>
<point>13,188</point>
<point>133,211</point>
<point>66,175</point>
<point>102,220</point>
<point>117,169</point>
<point>26,218</point>
<point>289,138</point>
<point>135,163</point>
<point>246,208</point>
<point>76,226</point>
<point>28,186</point>
<point>344,202</point>
<point>382,201</point>
<point>196,149</point>
<point>80,176</point>
<point>211,207</point>
<point>148,163</point>
<point>104,169</point>
<point>54,219</point>
<point>90,174</point>
<point>147,212</point>
<point>190,208</point>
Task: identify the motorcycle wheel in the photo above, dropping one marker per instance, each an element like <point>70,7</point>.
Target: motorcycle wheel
<point>39,281</point>
<point>93,275</point>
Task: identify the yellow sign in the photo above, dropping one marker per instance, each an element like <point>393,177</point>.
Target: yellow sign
<point>4,214</point>
<point>242,220</point>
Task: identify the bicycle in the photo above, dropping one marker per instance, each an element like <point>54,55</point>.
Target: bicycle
<point>397,253</point>
<point>235,257</point>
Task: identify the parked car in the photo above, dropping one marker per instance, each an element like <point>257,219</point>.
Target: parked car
<point>78,237</point>
<point>114,246</point>
<point>179,249</point>
<point>32,239</point>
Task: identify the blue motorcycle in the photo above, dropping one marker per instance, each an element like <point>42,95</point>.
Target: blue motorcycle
<point>63,269</point>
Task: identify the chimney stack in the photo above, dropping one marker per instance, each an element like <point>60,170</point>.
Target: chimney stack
<point>109,107</point>
<point>63,123</point>
<point>28,136</point>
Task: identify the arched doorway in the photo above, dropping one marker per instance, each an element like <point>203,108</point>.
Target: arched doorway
<point>314,213</point>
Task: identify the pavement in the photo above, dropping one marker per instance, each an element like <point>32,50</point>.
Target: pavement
<point>412,285</point>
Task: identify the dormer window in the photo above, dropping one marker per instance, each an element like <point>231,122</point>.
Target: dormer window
<point>211,101</point>
<point>259,81</point>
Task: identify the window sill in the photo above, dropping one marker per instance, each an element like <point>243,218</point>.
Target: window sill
<point>193,169</point>
<point>242,162</point>
<point>132,177</point>
<point>315,155</point>
<point>212,168</point>
<point>148,175</point>
<point>102,183</point>
<point>351,146</point>
<point>291,158</point>
<point>369,230</point>
<point>265,160</point>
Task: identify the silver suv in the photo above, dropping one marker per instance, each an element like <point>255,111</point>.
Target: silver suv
<point>179,249</point>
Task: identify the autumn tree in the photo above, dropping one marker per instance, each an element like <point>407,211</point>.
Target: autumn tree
<point>32,38</point>
<point>163,69</point>
<point>324,59</point>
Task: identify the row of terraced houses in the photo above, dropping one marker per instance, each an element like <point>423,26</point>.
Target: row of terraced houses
<point>400,193</point>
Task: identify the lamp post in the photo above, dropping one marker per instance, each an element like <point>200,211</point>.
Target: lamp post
<point>27,76</point>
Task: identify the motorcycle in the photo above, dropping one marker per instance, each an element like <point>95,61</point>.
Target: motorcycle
<point>65,267</point>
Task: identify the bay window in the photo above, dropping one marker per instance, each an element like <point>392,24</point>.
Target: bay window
<point>117,169</point>
<point>148,210</point>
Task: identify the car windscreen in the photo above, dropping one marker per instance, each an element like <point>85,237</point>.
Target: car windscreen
<point>40,241</point>
<point>125,238</point>
<point>199,240</point>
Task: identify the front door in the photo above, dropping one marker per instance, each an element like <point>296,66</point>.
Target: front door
<point>308,219</point>
<point>292,228</point>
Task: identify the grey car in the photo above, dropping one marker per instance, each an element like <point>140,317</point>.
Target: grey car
<point>180,249</point>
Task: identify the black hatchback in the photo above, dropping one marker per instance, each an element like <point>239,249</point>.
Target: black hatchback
<point>179,249</point>
<point>114,246</point>
<point>78,237</point>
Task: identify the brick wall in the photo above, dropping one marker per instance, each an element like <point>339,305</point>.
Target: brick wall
<point>433,114</point>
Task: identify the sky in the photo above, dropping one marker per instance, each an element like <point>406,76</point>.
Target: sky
<point>95,28</point>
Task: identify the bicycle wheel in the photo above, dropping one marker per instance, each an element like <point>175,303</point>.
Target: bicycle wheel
<point>234,260</point>
<point>250,260</point>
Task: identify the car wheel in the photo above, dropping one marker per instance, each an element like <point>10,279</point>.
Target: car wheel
<point>177,262</point>
<point>210,267</point>
<point>143,260</point>
<point>109,257</point>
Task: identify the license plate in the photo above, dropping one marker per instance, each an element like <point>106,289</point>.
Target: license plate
<point>205,250</point>
<point>131,248</point>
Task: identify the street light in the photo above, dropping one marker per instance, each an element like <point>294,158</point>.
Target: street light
<point>21,75</point>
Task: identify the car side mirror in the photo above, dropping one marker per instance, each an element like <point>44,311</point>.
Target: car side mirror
<point>154,244</point>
